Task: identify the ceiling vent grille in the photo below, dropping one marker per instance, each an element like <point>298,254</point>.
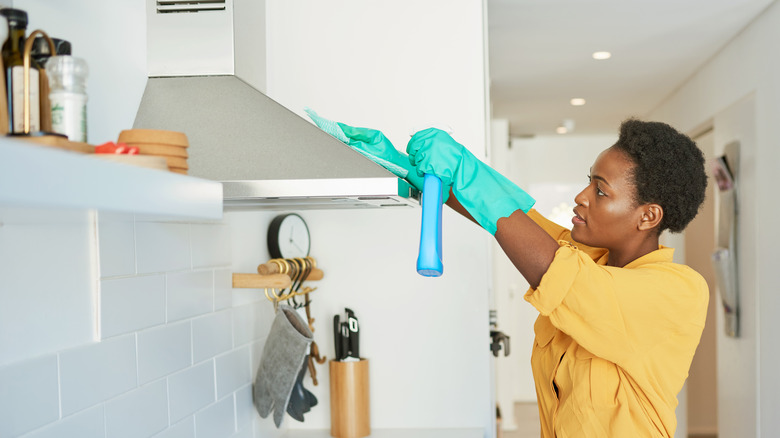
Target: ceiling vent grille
<point>182,6</point>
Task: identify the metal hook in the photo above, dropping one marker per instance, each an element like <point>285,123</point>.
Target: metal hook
<point>274,300</point>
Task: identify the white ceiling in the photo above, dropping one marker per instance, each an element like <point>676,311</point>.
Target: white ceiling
<point>540,56</point>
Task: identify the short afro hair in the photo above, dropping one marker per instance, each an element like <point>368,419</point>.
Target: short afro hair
<point>669,170</point>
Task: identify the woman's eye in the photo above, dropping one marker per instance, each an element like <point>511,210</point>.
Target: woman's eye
<point>599,192</point>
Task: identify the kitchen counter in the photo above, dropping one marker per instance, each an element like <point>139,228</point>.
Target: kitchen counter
<point>33,177</point>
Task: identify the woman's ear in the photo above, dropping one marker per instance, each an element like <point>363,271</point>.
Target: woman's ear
<point>651,217</point>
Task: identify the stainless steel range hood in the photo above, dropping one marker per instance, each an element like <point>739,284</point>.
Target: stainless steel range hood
<point>265,155</point>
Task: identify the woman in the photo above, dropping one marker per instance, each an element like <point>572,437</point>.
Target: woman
<point>618,321</point>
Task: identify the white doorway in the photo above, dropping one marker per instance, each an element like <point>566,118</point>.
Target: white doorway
<point>703,377</point>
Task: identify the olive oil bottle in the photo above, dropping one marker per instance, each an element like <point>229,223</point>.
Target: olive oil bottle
<point>13,61</point>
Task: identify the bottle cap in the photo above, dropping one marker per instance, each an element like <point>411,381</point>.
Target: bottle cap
<point>16,17</point>
<point>40,49</point>
<point>40,46</point>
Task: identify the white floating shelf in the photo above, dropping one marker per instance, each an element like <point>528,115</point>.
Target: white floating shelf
<point>34,176</point>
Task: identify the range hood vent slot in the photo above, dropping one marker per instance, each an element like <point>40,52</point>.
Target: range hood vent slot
<point>181,6</point>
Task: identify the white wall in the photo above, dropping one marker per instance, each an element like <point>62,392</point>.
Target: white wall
<point>532,163</point>
<point>389,66</point>
<point>739,89</point>
<point>739,393</point>
<point>702,385</point>
<point>393,66</point>
<point>111,37</point>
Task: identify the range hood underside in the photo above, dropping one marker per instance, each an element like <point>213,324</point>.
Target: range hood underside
<point>318,194</point>
<point>265,155</point>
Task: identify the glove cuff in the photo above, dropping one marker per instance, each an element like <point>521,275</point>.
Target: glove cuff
<point>486,194</point>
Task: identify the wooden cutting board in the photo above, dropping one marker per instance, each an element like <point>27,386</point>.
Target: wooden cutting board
<point>157,136</point>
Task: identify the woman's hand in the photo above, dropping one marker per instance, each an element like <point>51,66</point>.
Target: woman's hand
<point>375,144</point>
<point>484,193</point>
<point>435,152</point>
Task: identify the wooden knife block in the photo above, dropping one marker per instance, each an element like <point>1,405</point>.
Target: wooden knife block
<point>350,413</point>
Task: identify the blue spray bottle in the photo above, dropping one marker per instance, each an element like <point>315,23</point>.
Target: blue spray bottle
<point>429,262</point>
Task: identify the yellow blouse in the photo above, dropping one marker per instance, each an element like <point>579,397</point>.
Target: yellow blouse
<point>613,345</point>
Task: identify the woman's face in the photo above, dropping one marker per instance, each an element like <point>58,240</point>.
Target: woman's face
<point>606,214</point>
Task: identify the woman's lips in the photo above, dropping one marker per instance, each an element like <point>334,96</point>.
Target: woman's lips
<point>577,220</point>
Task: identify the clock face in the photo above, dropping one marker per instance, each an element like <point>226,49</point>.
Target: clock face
<point>288,237</point>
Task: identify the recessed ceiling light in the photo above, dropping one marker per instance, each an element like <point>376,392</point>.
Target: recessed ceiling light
<point>577,101</point>
<point>601,55</point>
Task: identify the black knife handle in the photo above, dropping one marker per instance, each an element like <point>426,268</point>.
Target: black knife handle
<point>337,337</point>
<point>354,344</point>
<point>354,335</point>
<point>344,340</point>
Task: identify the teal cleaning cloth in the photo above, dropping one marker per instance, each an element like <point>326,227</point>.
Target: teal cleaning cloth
<point>328,126</point>
<point>333,128</point>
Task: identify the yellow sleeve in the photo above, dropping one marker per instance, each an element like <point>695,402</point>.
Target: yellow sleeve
<point>622,314</point>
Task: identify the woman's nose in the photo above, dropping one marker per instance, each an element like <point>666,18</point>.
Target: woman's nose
<point>581,199</point>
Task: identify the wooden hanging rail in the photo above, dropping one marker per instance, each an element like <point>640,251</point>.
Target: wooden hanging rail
<point>275,281</point>
<point>272,275</point>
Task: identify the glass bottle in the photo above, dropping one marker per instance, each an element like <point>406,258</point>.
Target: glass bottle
<point>68,96</point>
<point>13,61</point>
<point>40,53</point>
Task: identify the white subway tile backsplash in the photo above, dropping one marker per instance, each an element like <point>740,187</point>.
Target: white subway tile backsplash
<point>242,297</point>
<point>182,429</point>
<point>165,302</point>
<point>46,288</point>
<point>243,324</point>
<point>245,408</point>
<point>211,335</point>
<point>29,396</point>
<point>140,413</point>
<point>163,350</point>
<point>191,390</point>
<point>223,289</point>
<point>257,354</point>
<point>232,371</point>
<point>97,372</point>
<point>211,245</point>
<point>246,432</point>
<point>116,235</point>
<point>162,247</point>
<point>130,304</point>
<point>190,294</point>
<point>217,420</point>
<point>85,424</point>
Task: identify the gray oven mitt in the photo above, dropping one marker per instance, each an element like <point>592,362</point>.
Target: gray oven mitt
<point>283,355</point>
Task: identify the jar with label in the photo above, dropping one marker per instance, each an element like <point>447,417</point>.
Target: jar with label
<point>13,61</point>
<point>68,96</point>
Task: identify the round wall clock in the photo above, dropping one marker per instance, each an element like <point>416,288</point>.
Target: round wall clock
<point>288,237</point>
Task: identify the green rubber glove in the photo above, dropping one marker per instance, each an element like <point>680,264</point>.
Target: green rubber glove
<point>484,193</point>
<point>374,143</point>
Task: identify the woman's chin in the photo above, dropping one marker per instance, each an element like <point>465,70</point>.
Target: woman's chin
<point>578,235</point>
